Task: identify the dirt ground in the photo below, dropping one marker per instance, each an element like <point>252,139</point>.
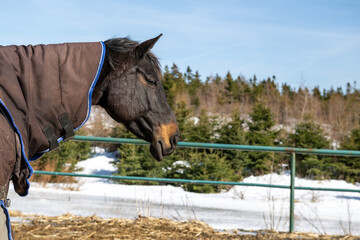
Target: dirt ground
<point>74,227</point>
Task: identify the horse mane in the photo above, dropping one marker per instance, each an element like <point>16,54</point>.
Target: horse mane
<point>122,46</point>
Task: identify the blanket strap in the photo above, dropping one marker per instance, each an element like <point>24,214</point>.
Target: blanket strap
<point>67,126</point>
<point>3,195</point>
<point>49,134</point>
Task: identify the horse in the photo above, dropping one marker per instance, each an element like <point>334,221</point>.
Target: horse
<point>46,94</point>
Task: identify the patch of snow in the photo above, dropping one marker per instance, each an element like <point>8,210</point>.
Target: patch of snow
<point>181,163</point>
<point>99,164</point>
<point>195,120</point>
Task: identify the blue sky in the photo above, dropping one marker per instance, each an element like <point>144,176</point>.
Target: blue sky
<point>302,43</point>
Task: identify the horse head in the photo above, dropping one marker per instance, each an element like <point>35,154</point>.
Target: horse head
<point>130,90</point>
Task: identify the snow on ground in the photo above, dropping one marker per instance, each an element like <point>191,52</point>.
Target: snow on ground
<point>240,207</point>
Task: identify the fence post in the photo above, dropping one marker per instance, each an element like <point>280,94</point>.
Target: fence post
<point>292,190</point>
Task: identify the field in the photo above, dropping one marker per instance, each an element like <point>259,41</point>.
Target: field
<point>71,227</point>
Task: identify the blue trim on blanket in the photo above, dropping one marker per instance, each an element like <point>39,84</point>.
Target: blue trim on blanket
<point>93,85</point>
<point>101,62</point>
<point>12,122</point>
<point>2,205</point>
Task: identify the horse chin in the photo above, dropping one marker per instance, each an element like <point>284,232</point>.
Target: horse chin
<point>157,151</point>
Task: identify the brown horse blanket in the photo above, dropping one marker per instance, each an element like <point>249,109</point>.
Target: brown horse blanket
<point>45,94</point>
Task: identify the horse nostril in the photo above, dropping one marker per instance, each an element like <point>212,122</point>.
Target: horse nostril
<point>175,140</point>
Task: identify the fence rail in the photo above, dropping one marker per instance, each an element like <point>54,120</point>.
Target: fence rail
<point>223,146</point>
<point>175,180</point>
<point>291,151</point>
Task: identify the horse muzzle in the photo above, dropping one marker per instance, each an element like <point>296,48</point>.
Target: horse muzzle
<point>165,141</point>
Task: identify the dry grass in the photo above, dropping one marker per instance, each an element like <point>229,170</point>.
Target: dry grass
<point>50,166</point>
<point>74,227</point>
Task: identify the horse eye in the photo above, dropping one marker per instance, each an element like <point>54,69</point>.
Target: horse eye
<point>150,81</point>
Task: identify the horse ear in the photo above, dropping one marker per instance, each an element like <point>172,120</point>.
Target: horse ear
<point>144,47</point>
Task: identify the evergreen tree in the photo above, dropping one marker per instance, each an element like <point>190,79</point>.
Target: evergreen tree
<point>208,166</point>
<point>316,93</point>
<point>352,142</point>
<point>309,135</point>
<point>196,82</point>
<point>65,157</point>
<point>232,88</point>
<point>348,89</point>
<point>217,79</point>
<point>177,77</point>
<point>261,121</point>
<point>287,91</point>
<point>194,86</point>
<point>133,160</point>
<point>243,90</point>
<point>233,133</point>
<point>128,162</point>
<point>203,130</point>
<point>182,114</point>
<point>260,133</point>
<point>169,86</point>
<point>189,76</point>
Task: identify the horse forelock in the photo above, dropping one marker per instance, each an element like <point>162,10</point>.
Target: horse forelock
<point>122,46</point>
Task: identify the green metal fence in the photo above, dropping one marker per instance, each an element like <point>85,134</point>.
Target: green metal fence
<point>291,151</point>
